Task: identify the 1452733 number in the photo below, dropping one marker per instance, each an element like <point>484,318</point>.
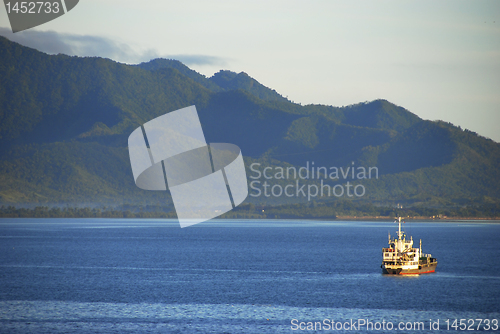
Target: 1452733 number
<point>472,324</point>
<point>32,7</point>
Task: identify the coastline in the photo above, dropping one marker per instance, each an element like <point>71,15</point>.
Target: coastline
<point>380,218</point>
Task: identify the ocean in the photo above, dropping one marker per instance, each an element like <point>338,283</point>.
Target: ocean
<point>247,276</point>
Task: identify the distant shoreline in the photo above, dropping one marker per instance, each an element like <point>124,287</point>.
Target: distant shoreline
<point>416,218</point>
<point>354,219</point>
<point>249,212</point>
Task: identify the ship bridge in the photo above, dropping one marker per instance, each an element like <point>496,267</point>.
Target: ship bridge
<point>401,256</point>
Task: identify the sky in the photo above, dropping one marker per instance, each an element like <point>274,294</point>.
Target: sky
<point>438,59</point>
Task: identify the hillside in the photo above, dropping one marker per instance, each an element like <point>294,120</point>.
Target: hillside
<point>64,124</point>
<point>221,81</point>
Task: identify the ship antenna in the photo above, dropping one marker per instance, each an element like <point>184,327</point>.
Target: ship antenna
<point>399,232</point>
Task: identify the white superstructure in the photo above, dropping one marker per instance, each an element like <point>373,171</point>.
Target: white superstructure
<point>402,258</point>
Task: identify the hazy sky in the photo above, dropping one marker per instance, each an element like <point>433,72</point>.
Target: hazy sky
<point>438,59</point>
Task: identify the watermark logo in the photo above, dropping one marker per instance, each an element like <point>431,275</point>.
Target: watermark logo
<point>205,180</point>
<point>28,14</point>
<point>309,182</point>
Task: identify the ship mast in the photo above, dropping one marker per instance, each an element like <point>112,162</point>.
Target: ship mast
<point>399,231</point>
<point>400,241</point>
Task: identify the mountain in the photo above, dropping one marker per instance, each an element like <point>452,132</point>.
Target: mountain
<point>221,81</point>
<point>161,64</point>
<point>64,124</point>
<point>228,80</point>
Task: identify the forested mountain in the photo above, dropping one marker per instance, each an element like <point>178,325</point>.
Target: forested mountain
<point>64,124</point>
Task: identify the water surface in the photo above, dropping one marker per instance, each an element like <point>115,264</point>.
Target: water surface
<point>133,275</point>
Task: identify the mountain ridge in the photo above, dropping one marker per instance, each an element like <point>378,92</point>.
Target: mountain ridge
<point>58,114</point>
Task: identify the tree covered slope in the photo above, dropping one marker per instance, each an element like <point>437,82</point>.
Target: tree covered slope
<point>64,124</point>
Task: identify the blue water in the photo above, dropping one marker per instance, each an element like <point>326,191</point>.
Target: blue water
<point>119,276</point>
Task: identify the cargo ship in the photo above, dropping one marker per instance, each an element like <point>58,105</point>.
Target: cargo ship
<point>400,258</point>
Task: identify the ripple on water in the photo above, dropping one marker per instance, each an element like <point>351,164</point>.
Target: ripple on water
<point>70,317</point>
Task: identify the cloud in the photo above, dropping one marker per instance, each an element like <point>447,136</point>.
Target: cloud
<point>198,59</point>
<point>52,42</point>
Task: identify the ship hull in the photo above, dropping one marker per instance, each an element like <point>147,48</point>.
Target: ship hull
<point>422,269</point>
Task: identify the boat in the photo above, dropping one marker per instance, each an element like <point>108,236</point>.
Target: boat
<point>401,258</point>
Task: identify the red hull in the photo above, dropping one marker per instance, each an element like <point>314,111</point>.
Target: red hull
<point>425,269</point>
